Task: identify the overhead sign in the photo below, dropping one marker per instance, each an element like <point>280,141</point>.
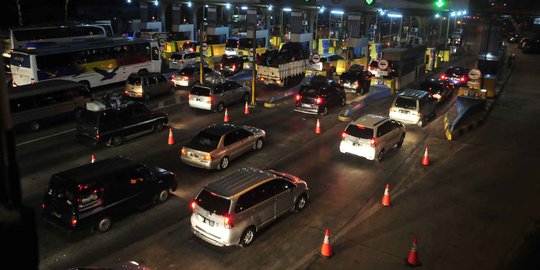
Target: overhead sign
<point>204,46</point>
<point>475,74</point>
<point>316,58</point>
<point>383,64</point>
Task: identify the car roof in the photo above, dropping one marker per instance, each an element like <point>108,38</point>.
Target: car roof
<point>369,120</point>
<point>93,171</point>
<point>221,128</point>
<point>238,181</point>
<point>414,93</point>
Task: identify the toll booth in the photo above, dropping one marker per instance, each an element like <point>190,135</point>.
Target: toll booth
<point>490,66</point>
<point>375,51</point>
<point>431,59</point>
<point>262,38</point>
<point>183,32</point>
<point>406,64</point>
<point>151,27</point>
<point>327,46</point>
<point>216,38</point>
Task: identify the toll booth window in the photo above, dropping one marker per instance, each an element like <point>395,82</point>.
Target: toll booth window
<point>155,53</point>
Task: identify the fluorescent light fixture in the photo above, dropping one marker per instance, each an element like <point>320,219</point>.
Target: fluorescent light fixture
<point>228,6</point>
<point>465,12</point>
<point>483,90</point>
<point>453,14</point>
<point>189,4</point>
<point>394,15</point>
<point>287,9</point>
<point>459,13</point>
<point>206,6</point>
<point>128,1</point>
<point>321,9</point>
<point>270,7</point>
<point>156,3</point>
<point>437,15</point>
<point>382,12</point>
<point>339,12</point>
<point>244,7</point>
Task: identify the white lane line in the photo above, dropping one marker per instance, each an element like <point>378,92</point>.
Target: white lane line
<point>46,137</point>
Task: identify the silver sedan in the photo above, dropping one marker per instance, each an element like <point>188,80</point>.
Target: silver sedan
<point>215,146</point>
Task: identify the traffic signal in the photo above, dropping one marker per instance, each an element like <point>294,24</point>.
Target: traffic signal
<point>439,3</point>
<point>369,2</point>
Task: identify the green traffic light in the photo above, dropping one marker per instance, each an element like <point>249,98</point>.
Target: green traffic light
<point>439,3</point>
<point>369,2</point>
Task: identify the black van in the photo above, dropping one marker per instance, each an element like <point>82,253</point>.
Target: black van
<point>96,193</point>
<point>103,122</point>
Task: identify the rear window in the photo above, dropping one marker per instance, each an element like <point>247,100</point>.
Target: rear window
<point>59,191</point>
<point>206,139</point>
<point>430,86</point>
<point>213,203</point>
<point>134,80</point>
<point>187,71</point>
<point>200,91</point>
<point>309,92</point>
<point>359,131</point>
<point>176,56</point>
<point>406,103</point>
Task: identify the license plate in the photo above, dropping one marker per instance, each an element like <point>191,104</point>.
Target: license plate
<point>306,105</point>
<point>209,222</point>
<point>193,155</point>
<point>198,99</point>
<point>383,73</point>
<point>404,112</point>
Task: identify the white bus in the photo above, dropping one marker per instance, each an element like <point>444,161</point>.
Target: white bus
<point>95,63</point>
<point>33,37</point>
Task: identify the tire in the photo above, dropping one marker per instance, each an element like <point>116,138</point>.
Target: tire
<point>159,126</point>
<point>34,126</point>
<point>300,203</point>
<point>116,141</point>
<point>162,196</point>
<point>103,224</point>
<point>324,111</point>
<point>220,107</point>
<point>401,139</point>
<point>224,163</point>
<point>380,156</point>
<point>258,144</point>
<point>247,237</point>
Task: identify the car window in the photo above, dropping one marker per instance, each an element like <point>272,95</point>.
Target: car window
<point>406,103</point>
<point>62,96</point>
<point>384,129</point>
<point>359,131</point>
<point>280,185</point>
<point>200,91</point>
<point>218,89</point>
<point>206,139</point>
<point>242,134</point>
<point>152,80</point>
<point>395,124</point>
<point>248,200</point>
<point>232,137</point>
<point>213,203</point>
<point>140,110</point>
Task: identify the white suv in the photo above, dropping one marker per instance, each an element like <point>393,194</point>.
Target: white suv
<point>370,136</point>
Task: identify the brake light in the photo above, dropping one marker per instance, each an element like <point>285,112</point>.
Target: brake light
<point>43,205</point>
<point>462,79</point>
<point>298,97</point>
<point>227,222</point>
<point>319,100</point>
<point>193,205</point>
<point>183,151</point>
<point>443,77</point>
<point>373,142</point>
<point>210,98</point>
<point>343,134</point>
<point>97,136</point>
<point>73,220</point>
<point>233,67</point>
<point>185,78</point>
<point>208,157</point>
<point>189,96</point>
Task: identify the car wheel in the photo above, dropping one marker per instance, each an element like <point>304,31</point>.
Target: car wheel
<point>401,139</point>
<point>103,224</point>
<point>34,126</point>
<point>343,102</point>
<point>115,141</point>
<point>380,155</point>
<point>162,196</point>
<point>300,203</point>
<point>159,126</point>
<point>220,107</point>
<point>224,163</point>
<point>259,144</point>
<point>324,111</point>
<point>247,236</point>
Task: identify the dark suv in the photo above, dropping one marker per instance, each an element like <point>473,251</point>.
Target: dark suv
<point>95,194</point>
<point>105,123</point>
<point>318,95</point>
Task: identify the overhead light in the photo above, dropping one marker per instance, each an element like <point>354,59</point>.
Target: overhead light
<point>453,14</point>
<point>128,1</point>
<point>465,12</point>
<point>459,13</point>
<point>156,3</point>
<point>287,9</point>
<point>437,15</point>
<point>382,12</point>
<point>270,7</point>
<point>228,6</point>
<point>189,4</point>
<point>244,7</point>
<point>394,15</point>
<point>340,12</point>
<point>321,9</point>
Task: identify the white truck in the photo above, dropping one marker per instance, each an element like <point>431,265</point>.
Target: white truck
<point>280,67</point>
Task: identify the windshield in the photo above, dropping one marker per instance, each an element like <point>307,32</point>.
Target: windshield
<point>206,139</point>
<point>213,203</point>
<point>359,131</point>
<point>407,103</point>
<point>200,91</point>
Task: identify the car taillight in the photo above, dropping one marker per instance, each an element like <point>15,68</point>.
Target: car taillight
<point>373,142</point>
<point>185,78</point>
<point>343,134</point>
<point>43,205</point>
<point>233,67</point>
<point>443,77</point>
<point>298,97</point>
<point>319,100</point>
<point>210,99</point>
<point>462,79</point>
<point>97,136</point>
<point>227,222</point>
<point>193,205</point>
<point>355,84</point>
<point>183,151</point>
<point>189,96</point>
<point>208,157</point>
<point>73,220</point>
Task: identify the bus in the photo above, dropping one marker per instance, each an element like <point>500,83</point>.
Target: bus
<point>23,38</point>
<point>242,45</point>
<point>94,64</point>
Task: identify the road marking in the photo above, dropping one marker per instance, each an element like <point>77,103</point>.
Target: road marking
<point>46,137</point>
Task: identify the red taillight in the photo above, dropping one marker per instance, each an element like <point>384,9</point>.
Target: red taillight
<point>462,79</point>
<point>319,100</point>
<point>373,142</point>
<point>97,136</point>
<point>208,157</point>
<point>210,99</point>
<point>185,78</point>
<point>189,96</point>
<point>298,97</point>
<point>43,205</point>
<point>183,151</point>
<point>343,134</point>
<point>73,220</point>
<point>227,222</point>
<point>443,77</point>
<point>233,67</point>
<point>193,205</point>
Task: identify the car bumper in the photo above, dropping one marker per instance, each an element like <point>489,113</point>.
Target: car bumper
<point>216,236</point>
<point>196,162</point>
<point>348,147</point>
<point>200,105</point>
<point>309,110</point>
<point>405,118</point>
<point>180,83</point>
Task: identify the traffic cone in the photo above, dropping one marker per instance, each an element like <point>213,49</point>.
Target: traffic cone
<point>386,198</point>
<point>326,249</point>
<point>318,127</point>
<point>226,117</point>
<point>425,159</point>
<point>246,108</point>
<point>171,137</point>
<point>93,158</point>
<point>412,259</point>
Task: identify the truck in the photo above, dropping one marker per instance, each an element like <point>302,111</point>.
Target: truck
<point>279,67</point>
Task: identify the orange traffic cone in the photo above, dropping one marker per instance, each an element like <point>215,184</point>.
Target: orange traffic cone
<point>425,159</point>
<point>171,137</point>
<point>246,108</point>
<point>412,259</point>
<point>93,158</point>
<point>318,127</point>
<point>386,198</point>
<point>226,117</point>
<point>326,249</point>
